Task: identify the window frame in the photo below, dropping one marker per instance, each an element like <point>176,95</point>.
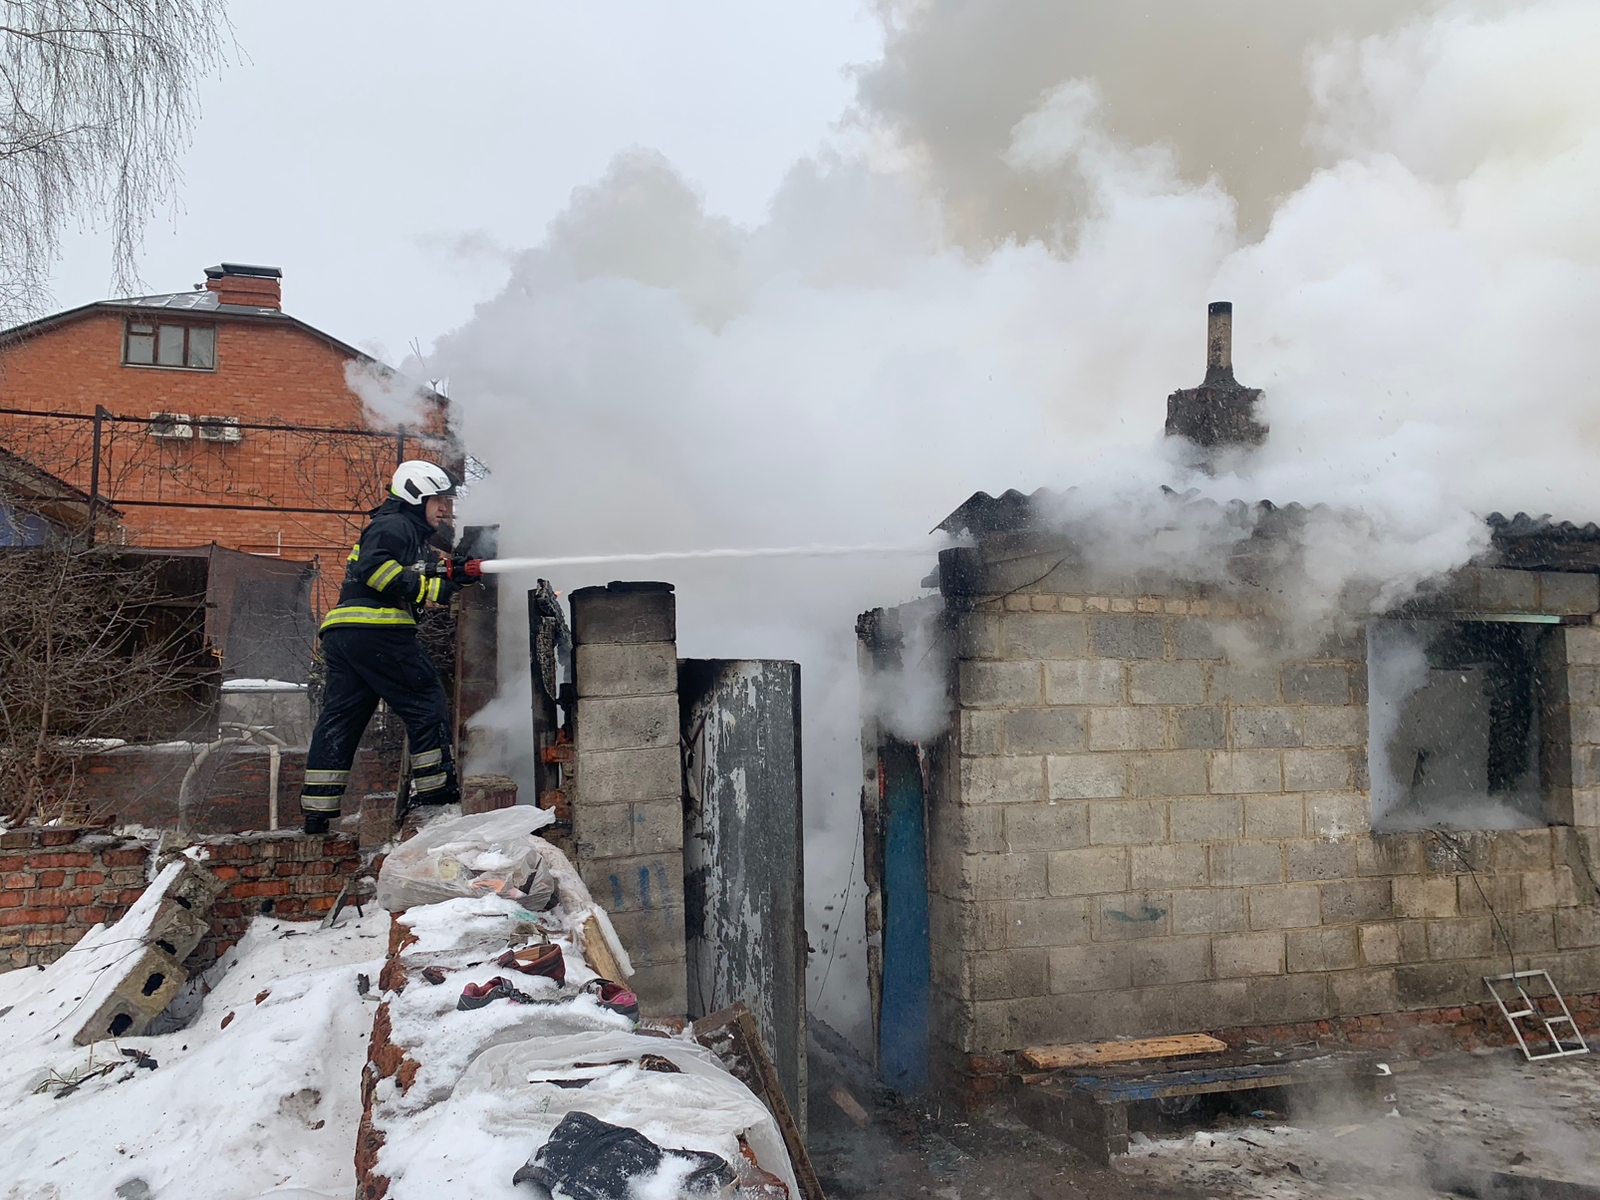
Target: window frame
<point>156,324</point>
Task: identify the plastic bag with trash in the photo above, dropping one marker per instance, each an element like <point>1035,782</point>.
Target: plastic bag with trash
<point>492,853</point>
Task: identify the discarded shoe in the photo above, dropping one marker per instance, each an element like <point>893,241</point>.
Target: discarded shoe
<point>615,997</point>
<point>544,960</point>
<point>586,1159</point>
<point>476,995</point>
<point>434,975</point>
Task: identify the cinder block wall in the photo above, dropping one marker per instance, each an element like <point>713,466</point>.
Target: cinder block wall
<point>627,810</point>
<point>1151,835</point>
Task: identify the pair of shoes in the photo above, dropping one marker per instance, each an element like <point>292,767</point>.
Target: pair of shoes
<point>615,997</point>
<point>546,960</point>
<point>476,995</point>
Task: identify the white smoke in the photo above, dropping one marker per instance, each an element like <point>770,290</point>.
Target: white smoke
<point>1419,308</point>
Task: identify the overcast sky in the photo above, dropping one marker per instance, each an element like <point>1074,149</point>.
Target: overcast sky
<point>385,153</point>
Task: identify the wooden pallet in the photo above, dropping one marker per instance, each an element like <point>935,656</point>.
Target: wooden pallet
<point>1089,1110</point>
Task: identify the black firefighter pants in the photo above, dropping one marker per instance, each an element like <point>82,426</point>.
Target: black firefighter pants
<point>363,667</point>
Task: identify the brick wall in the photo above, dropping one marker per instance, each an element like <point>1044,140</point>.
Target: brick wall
<point>57,883</point>
<point>1145,835</point>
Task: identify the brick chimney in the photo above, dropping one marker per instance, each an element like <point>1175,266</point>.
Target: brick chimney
<point>1221,411</point>
<point>255,287</point>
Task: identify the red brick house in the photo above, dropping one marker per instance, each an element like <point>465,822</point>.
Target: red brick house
<point>221,418</point>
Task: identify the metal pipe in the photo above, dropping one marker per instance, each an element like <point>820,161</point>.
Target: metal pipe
<point>274,759</point>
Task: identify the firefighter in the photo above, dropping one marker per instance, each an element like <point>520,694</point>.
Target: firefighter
<point>370,647</point>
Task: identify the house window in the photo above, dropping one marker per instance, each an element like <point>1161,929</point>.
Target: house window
<point>150,343</point>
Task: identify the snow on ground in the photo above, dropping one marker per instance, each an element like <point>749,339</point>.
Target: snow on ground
<point>269,1102</point>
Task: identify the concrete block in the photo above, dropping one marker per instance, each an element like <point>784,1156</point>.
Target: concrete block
<point>1168,866</point>
<point>1246,771</point>
<point>1310,683</point>
<point>1507,591</point>
<point>651,936</point>
<point>1086,776</point>
<point>662,988</point>
<point>1441,984</point>
<point>150,978</point>
<point>604,830</point>
<point>378,819</point>
<point>948,971</point>
<point>628,613</point>
<point>1000,684</point>
<point>1046,731</point>
<point>1389,854</point>
<point>1413,937</point>
<point>1004,876</point>
<point>194,887</point>
<point>1237,955</point>
<point>1194,639</point>
<point>1425,897</point>
<point>1084,681</point>
<point>1161,961</point>
<point>1520,849</point>
<point>1210,910</point>
<point>1285,906</point>
<point>1335,725</point>
<point>1267,727</point>
<point>1092,968</point>
<point>1090,871</point>
<point>1204,728</point>
<point>1168,773</point>
<point>1380,944</point>
<point>1052,922</point>
<point>1502,893</point>
<point>1045,635</point>
<point>1166,683</point>
<point>1244,685</point>
<point>1008,974</point>
<point>1337,814</point>
<point>968,828</point>
<point>983,731</point>
<point>1322,949</point>
<point>1288,998</point>
<point>628,883</point>
<point>978,635</point>
<point>625,669</point>
<point>1360,993</point>
<point>618,776</point>
<point>1575,928</point>
<point>1540,889</point>
<point>1130,916</point>
<point>1126,635</point>
<point>1316,770</point>
<point>657,826</point>
<point>1461,937</point>
<point>968,926</point>
<point>1197,819</point>
<point>1241,864</point>
<point>1050,826</point>
<point>1274,816</point>
<point>1322,859</point>
<point>1582,645</point>
<point>1002,780</point>
<point>1126,822</point>
<point>1126,729</point>
<point>625,723</point>
<point>1217,1004</point>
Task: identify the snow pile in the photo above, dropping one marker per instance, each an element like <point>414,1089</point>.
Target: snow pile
<point>260,1092</point>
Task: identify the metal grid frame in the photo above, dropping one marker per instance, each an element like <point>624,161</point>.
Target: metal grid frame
<point>1528,1009</point>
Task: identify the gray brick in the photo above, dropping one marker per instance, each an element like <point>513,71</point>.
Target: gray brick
<point>1194,639</point>
<point>1260,728</point>
<point>1126,729</point>
<point>1337,814</point>
<point>1168,773</point>
<point>1126,635</point>
<point>634,882</point>
<point>1131,916</point>
<point>1389,854</point>
<point>1322,949</point>
<point>1576,928</point>
<point>1053,922</point>
<point>628,614</point>
<point>1046,731</point>
<point>627,723</point>
<point>1235,955</point>
<point>1462,937</point>
<point>968,926</point>
<point>1321,860</point>
<point>1285,906</point>
<point>1209,910</point>
<point>1011,876</point>
<point>1126,822</point>
<point>1002,780</point>
<point>1007,974</point>
<point>966,828</point>
<point>978,635</point>
<point>603,830</point>
<point>983,731</point>
<point>1166,683</point>
<point>1245,685</point>
<point>1356,900</point>
<point>1309,683</point>
<point>1534,933</point>
<point>1274,816</point>
<point>621,669</point>
<point>1380,944</point>
<point>1246,771</point>
<point>1507,591</point>
<point>1170,960</point>
<point>1047,826</point>
<point>999,684</point>
<point>1045,635</point>
<point>1218,1004</point>
<point>1582,645</point>
<point>1316,770</point>
<point>614,776</point>
<point>1168,866</point>
<point>1205,820</point>
<point>1200,728</point>
<point>1361,993</point>
<point>1289,998</point>
<point>1094,968</point>
<point>1085,681</point>
<point>1520,849</point>
<point>1238,864</point>
<point>1438,984</point>
<point>1089,871</point>
<point>657,826</point>
<point>1335,725</point>
<point>1086,776</point>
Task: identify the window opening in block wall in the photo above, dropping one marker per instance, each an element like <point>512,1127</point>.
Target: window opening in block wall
<point>170,344</point>
<point>1455,723</point>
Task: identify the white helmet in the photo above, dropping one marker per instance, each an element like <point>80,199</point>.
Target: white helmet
<point>416,480</point>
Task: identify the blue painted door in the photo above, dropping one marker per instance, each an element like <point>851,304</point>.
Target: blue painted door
<point>903,1012</point>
